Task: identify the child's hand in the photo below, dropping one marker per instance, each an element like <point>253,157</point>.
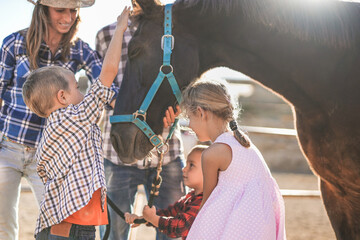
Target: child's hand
<point>149,213</point>
<point>130,218</point>
<point>122,20</point>
<point>170,116</point>
<point>150,216</point>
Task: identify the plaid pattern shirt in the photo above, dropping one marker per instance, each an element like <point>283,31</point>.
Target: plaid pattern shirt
<point>103,39</point>
<point>176,220</point>
<point>17,122</point>
<point>70,158</point>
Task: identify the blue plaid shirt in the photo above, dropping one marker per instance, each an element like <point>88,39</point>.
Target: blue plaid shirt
<point>17,122</point>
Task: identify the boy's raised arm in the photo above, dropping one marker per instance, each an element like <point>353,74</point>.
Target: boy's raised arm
<point>112,57</point>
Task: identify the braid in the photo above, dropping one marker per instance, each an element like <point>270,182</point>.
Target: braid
<point>239,135</point>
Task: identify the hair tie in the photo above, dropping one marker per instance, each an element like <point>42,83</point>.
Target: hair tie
<point>233,125</point>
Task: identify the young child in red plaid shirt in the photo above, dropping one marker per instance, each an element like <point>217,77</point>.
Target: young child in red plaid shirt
<point>176,220</point>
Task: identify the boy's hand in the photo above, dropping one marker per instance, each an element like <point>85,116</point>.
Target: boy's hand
<point>122,20</point>
<point>130,218</point>
<point>149,213</point>
<point>112,57</point>
<point>170,116</point>
<point>150,216</point>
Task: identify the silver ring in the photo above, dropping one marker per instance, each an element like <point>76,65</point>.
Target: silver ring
<point>162,150</point>
<point>171,67</point>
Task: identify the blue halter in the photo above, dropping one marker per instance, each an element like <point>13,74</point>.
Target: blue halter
<point>167,44</point>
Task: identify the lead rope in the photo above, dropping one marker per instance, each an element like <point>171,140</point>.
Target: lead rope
<point>155,186</point>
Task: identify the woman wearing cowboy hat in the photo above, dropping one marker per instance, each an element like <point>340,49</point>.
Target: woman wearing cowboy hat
<point>49,40</point>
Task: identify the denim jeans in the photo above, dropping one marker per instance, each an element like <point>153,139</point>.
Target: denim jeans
<point>77,232</point>
<point>16,161</point>
<point>122,183</point>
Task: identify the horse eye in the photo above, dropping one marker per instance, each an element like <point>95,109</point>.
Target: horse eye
<point>133,53</point>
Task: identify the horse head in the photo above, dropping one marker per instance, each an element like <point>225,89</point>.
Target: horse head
<point>145,58</point>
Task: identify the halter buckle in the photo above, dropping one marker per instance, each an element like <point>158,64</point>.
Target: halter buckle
<point>140,113</point>
<point>172,41</point>
<point>157,139</point>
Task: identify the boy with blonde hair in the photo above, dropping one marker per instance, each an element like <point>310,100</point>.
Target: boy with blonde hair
<point>70,157</point>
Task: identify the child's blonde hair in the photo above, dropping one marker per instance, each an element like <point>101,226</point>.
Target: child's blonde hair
<point>41,87</point>
<point>198,148</point>
<point>213,96</point>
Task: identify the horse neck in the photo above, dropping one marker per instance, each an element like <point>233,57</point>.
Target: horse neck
<point>280,61</point>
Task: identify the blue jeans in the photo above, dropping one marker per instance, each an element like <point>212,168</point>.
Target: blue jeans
<point>122,183</point>
<point>77,232</point>
<point>16,161</point>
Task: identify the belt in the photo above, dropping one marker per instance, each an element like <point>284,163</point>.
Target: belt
<point>27,148</point>
<point>62,229</point>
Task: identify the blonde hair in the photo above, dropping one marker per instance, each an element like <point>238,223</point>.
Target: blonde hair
<point>38,31</point>
<point>198,148</point>
<point>213,96</point>
<point>41,86</point>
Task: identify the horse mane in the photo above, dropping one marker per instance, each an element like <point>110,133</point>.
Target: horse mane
<point>330,22</point>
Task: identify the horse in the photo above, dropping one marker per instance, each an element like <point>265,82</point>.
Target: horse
<point>306,51</point>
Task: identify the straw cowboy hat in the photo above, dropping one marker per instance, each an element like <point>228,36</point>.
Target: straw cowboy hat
<point>64,3</point>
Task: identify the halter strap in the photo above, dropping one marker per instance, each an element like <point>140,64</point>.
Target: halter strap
<point>167,44</point>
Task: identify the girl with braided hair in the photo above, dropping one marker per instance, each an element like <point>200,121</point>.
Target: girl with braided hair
<point>241,200</point>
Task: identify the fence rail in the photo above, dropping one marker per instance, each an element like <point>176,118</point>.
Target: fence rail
<point>270,130</point>
<point>300,193</point>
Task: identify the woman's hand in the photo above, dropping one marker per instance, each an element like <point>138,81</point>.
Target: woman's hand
<point>170,116</point>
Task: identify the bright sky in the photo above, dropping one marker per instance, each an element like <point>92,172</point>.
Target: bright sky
<point>16,15</point>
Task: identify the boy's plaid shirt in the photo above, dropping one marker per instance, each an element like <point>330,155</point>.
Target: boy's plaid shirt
<point>103,39</point>
<point>176,220</point>
<point>70,157</point>
<point>17,122</point>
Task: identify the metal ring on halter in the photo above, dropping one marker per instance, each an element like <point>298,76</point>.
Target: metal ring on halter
<point>162,150</point>
<point>139,113</point>
<point>171,67</point>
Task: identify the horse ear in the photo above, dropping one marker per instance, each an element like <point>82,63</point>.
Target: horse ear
<point>146,6</point>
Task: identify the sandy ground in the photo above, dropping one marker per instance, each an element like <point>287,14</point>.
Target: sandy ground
<point>305,217</point>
